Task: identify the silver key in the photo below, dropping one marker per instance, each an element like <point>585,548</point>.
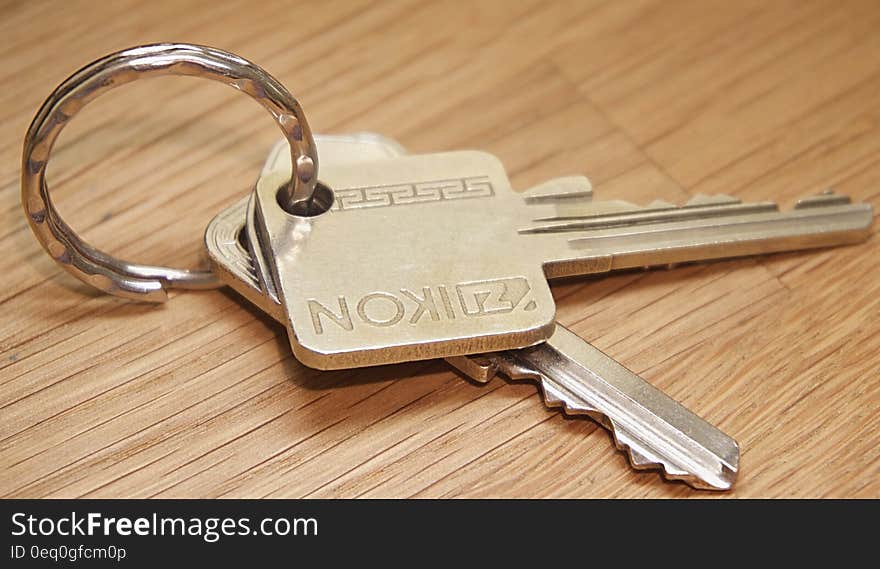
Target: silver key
<point>653,429</point>
<point>434,255</point>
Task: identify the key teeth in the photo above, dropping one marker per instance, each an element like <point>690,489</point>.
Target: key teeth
<point>659,204</point>
<point>515,371</point>
<point>635,458</point>
<point>570,188</point>
<point>713,199</point>
<point>552,400</point>
<point>826,198</point>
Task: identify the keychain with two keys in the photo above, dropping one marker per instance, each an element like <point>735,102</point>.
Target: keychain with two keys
<point>388,257</point>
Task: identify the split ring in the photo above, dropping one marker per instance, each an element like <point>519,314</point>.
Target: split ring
<point>107,273</point>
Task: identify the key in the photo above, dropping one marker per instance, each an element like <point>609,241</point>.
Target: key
<point>434,255</point>
<point>654,430</point>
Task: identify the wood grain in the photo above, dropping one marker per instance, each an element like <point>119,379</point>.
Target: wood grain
<point>651,99</point>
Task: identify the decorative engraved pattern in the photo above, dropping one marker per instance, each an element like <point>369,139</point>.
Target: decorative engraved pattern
<point>418,192</point>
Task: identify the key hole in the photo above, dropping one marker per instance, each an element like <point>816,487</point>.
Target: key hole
<point>322,200</point>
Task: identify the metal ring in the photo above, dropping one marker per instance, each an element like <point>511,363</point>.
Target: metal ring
<point>95,267</point>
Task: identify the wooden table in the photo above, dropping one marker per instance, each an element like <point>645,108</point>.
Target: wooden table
<point>200,397</point>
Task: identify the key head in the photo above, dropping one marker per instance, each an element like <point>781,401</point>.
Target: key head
<point>417,257</point>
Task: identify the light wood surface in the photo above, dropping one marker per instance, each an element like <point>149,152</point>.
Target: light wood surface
<point>777,100</point>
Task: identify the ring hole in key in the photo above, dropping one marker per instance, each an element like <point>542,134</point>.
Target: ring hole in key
<point>321,202</point>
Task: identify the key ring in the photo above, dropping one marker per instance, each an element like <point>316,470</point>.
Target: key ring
<point>94,267</point>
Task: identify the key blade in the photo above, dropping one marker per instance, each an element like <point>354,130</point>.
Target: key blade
<point>699,231</point>
<point>653,429</point>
